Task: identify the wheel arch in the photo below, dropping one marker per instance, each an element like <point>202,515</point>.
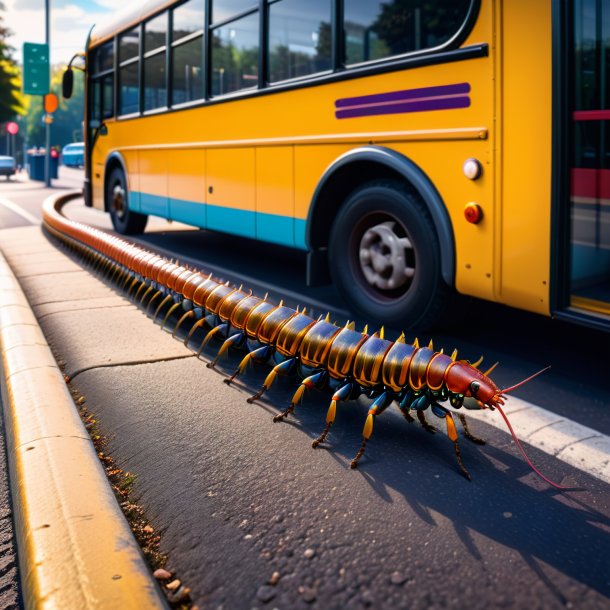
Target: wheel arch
<point>114,160</point>
<point>361,165</point>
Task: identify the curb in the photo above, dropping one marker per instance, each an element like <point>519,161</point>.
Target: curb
<point>75,547</point>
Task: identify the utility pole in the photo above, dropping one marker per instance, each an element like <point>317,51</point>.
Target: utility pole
<point>47,158</point>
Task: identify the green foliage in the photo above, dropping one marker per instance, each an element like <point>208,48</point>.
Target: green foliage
<point>11,100</point>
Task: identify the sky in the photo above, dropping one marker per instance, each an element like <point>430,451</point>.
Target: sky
<point>70,23</point>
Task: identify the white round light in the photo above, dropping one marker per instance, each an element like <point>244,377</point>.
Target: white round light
<point>472,168</point>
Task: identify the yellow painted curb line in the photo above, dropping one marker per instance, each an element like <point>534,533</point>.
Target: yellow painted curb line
<point>75,547</point>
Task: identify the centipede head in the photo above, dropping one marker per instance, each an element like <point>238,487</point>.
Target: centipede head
<point>478,389</point>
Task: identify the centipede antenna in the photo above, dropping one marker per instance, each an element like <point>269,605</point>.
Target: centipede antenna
<point>490,369</point>
<point>518,385</point>
<point>454,355</point>
<point>519,444</point>
<point>416,343</point>
<point>476,364</point>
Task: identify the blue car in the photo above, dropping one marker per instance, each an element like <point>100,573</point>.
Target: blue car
<point>73,155</point>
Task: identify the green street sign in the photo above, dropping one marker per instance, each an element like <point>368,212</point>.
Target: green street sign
<point>36,68</point>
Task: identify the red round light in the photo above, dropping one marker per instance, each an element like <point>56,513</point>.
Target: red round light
<point>473,213</point>
<point>12,128</point>
<point>54,154</point>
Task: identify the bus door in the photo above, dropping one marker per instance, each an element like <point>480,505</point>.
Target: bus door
<point>589,158</point>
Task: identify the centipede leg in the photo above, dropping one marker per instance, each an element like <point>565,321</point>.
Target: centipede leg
<point>380,404</point>
<point>316,380</point>
<point>468,434</point>
<point>424,422</point>
<point>262,353</point>
<point>343,393</point>
<point>217,329</point>
<point>281,369</point>
<point>453,435</point>
<point>235,339</point>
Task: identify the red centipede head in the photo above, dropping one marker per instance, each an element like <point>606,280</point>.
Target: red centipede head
<point>478,389</point>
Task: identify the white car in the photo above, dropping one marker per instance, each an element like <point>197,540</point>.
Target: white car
<point>7,166</point>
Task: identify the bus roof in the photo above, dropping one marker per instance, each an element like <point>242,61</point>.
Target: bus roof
<point>126,19</point>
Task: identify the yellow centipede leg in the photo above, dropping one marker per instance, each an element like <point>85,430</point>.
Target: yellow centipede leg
<point>206,340</point>
<point>188,314</point>
<point>167,299</point>
<point>453,435</point>
<point>169,313</point>
<point>195,326</point>
<point>366,434</point>
<point>330,418</point>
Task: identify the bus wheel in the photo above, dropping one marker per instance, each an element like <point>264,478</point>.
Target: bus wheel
<point>385,257</point>
<point>124,220</point>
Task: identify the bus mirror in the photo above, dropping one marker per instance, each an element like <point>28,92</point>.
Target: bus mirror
<point>103,130</point>
<point>67,83</point>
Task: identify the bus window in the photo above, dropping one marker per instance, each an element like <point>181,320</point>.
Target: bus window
<point>225,9</point>
<point>235,55</point>
<point>376,29</point>
<point>155,85</point>
<point>300,38</point>
<point>129,79</point>
<point>187,52</point>
<point>108,96</point>
<point>188,18</point>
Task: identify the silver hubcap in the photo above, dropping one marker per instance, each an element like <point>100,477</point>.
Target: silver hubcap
<point>118,199</point>
<point>384,255</point>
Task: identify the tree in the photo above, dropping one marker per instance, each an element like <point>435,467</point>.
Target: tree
<point>11,100</point>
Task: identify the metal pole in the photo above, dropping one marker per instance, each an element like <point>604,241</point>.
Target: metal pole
<point>47,158</point>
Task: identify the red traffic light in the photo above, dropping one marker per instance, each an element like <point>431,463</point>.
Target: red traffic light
<point>54,154</point>
<point>12,128</point>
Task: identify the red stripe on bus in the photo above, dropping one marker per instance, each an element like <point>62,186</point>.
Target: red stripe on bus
<point>591,115</point>
<point>593,183</point>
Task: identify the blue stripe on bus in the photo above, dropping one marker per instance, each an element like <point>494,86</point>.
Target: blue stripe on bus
<point>153,204</point>
<point>282,230</point>
<point>189,212</point>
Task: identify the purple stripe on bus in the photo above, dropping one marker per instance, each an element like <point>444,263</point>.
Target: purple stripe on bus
<point>439,104</point>
<point>407,94</point>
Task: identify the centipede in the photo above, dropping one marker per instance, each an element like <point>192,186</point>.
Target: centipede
<point>321,355</point>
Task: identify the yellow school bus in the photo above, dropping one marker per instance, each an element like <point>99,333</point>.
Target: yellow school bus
<point>411,147</point>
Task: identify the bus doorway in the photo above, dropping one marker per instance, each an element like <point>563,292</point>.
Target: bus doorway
<point>589,158</point>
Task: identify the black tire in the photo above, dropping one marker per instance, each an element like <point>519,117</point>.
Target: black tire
<point>385,259</point>
<point>124,220</point>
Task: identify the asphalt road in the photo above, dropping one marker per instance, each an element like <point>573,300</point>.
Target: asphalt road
<point>239,498</point>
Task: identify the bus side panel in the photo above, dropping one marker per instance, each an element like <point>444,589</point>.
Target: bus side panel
<point>187,186</point>
<point>231,193</point>
<point>275,195</point>
<point>526,153</point>
<point>153,196</point>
